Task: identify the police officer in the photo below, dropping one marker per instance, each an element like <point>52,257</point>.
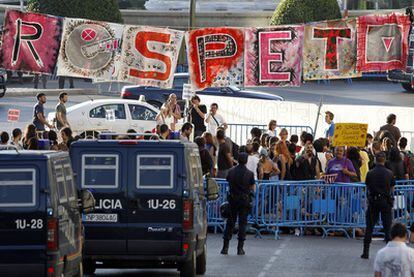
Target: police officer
<point>242,184</point>
<point>379,182</point>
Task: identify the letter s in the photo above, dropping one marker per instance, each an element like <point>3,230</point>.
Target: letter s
<point>141,45</point>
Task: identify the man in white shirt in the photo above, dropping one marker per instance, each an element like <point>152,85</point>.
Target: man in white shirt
<point>214,120</point>
<point>253,159</point>
<point>396,259</point>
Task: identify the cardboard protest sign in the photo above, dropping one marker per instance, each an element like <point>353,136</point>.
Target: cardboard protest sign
<point>89,49</point>
<point>330,50</point>
<point>150,55</point>
<point>31,42</point>
<point>350,134</point>
<point>273,56</point>
<point>215,57</point>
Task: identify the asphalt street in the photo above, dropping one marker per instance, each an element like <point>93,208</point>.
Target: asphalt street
<point>290,256</point>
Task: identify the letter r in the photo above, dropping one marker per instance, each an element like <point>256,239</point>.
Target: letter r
<point>28,38</point>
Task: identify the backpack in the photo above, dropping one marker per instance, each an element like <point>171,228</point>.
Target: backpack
<point>409,163</point>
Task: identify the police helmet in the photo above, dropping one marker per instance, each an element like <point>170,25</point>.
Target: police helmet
<point>225,210</point>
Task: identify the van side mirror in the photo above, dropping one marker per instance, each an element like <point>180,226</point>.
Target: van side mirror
<point>87,201</point>
<point>212,189</point>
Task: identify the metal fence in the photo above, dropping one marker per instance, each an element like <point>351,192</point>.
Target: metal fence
<point>312,204</point>
<point>240,133</point>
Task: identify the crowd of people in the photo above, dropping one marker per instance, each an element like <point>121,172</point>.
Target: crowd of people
<point>273,154</point>
<point>59,137</point>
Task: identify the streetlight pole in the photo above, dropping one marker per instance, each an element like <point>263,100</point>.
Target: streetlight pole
<point>192,15</point>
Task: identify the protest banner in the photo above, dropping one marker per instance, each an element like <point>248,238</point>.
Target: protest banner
<point>149,56</point>
<point>89,49</point>
<point>273,56</point>
<point>215,57</point>
<point>350,134</point>
<point>330,50</point>
<point>30,42</point>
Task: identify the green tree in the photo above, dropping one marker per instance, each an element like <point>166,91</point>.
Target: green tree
<point>303,11</point>
<point>101,10</point>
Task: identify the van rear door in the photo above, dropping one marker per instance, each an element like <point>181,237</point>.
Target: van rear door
<point>105,228</point>
<point>22,221</point>
<point>154,203</point>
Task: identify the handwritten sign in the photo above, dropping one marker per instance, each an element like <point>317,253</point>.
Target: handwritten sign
<point>350,134</point>
<point>13,115</point>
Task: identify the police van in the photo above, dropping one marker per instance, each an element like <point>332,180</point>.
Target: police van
<point>40,220</point>
<point>150,204</point>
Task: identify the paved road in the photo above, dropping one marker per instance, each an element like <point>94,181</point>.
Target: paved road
<point>290,256</point>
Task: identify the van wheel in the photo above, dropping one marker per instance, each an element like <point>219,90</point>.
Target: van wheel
<point>80,271</point>
<point>188,269</point>
<point>407,87</point>
<point>89,267</point>
<point>202,261</point>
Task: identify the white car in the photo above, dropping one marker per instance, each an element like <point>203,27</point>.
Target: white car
<point>114,115</point>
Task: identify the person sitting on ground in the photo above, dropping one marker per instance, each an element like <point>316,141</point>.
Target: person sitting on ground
<point>341,166</point>
<point>29,133</point>
<point>53,141</point>
<point>272,128</point>
<point>397,165</point>
<point>307,165</point>
<point>16,140</point>
<point>395,259</point>
<point>33,144</point>
<point>164,132</point>
<point>4,138</point>
<point>186,131</point>
<point>205,157</point>
<point>67,139</point>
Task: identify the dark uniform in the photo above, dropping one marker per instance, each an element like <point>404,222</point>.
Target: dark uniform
<point>379,182</point>
<point>241,181</point>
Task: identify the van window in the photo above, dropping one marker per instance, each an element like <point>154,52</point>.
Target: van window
<point>195,170</point>
<point>100,171</point>
<point>70,185</point>
<point>17,187</point>
<point>60,181</point>
<point>155,171</point>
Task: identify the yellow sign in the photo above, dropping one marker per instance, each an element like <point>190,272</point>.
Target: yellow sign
<point>350,134</point>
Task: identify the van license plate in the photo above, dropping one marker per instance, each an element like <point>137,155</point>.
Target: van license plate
<point>100,218</point>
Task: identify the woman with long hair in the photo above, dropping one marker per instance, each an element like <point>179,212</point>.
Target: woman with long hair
<point>29,133</point>
<point>396,164</point>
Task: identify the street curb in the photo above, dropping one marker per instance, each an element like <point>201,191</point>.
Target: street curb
<point>49,92</point>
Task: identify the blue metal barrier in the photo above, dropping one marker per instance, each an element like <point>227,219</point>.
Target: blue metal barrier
<point>239,133</point>
<point>313,204</point>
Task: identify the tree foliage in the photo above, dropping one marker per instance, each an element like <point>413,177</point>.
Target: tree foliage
<point>101,10</point>
<point>304,11</point>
